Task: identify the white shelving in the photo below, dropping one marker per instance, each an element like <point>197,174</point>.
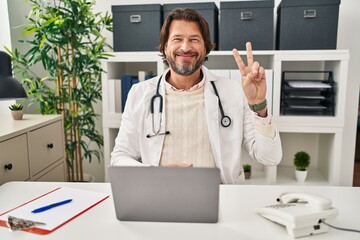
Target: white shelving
<point>321,136</point>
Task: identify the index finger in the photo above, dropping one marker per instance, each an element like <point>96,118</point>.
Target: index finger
<point>238,60</point>
<point>249,54</point>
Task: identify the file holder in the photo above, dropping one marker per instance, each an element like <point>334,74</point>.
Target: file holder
<point>308,93</point>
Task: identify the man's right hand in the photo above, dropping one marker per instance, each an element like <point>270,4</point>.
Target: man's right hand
<point>180,165</point>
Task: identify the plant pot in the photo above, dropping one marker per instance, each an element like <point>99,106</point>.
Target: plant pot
<point>300,175</point>
<point>88,178</point>
<point>247,175</point>
<point>17,114</point>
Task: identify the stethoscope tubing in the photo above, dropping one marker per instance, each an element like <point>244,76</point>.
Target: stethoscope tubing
<point>225,120</point>
<point>152,103</point>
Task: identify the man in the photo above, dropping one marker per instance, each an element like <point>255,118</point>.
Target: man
<point>189,117</point>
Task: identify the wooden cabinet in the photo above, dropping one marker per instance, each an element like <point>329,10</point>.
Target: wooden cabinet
<point>14,162</point>
<point>332,157</point>
<point>32,149</point>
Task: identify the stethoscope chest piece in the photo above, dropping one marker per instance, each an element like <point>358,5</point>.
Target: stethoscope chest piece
<point>225,121</point>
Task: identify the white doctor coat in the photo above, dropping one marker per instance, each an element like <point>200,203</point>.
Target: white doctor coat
<point>133,148</point>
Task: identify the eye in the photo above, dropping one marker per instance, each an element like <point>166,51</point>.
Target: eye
<point>176,39</point>
<point>195,40</point>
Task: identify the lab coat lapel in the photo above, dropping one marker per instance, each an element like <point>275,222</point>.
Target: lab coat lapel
<point>212,117</point>
<point>156,142</point>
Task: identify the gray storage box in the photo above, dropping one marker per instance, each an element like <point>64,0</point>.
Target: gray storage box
<point>307,24</point>
<point>247,21</point>
<point>137,27</point>
<point>208,10</point>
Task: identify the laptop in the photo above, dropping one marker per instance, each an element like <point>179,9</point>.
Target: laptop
<point>165,194</point>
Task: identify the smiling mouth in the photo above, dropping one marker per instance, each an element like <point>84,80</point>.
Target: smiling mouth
<point>186,54</point>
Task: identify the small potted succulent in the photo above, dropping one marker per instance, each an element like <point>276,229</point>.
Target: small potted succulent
<point>16,111</point>
<point>301,162</point>
<point>247,170</point>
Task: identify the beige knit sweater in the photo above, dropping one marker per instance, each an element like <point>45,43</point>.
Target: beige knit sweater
<point>189,139</point>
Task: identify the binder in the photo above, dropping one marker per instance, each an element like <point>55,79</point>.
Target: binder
<point>126,83</point>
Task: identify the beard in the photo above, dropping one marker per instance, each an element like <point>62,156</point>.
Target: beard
<point>185,68</point>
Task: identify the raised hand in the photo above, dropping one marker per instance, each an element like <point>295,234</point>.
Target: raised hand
<point>253,77</point>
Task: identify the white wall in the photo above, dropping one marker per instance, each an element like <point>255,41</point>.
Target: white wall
<point>348,38</point>
<point>5,40</point>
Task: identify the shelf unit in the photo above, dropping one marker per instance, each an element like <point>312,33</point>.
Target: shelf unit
<point>321,136</point>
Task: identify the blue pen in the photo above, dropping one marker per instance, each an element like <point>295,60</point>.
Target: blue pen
<point>45,208</point>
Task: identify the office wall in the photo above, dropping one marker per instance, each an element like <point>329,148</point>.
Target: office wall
<point>5,40</point>
<point>348,38</point>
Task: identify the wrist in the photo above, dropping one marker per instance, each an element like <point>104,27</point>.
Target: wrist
<point>262,113</point>
<point>258,107</point>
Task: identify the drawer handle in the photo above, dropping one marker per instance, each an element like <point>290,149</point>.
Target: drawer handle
<point>50,145</point>
<point>8,166</point>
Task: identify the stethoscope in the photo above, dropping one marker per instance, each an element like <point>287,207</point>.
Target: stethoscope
<point>225,120</point>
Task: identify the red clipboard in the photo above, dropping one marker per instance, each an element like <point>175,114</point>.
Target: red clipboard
<point>83,200</point>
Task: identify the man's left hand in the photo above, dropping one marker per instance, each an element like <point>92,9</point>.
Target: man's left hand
<point>253,77</point>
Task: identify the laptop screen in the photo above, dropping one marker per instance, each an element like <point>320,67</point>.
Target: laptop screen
<point>165,194</point>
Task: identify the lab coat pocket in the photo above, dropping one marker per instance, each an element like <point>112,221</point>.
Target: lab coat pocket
<point>234,131</point>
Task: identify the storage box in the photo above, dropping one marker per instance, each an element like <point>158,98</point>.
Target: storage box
<point>137,27</point>
<point>307,24</point>
<point>247,21</point>
<point>208,10</point>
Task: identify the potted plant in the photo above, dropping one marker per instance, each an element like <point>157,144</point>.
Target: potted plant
<point>247,170</point>
<point>66,40</point>
<point>301,162</point>
<point>16,111</point>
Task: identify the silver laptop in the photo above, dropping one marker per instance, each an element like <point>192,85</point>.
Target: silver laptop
<point>165,194</point>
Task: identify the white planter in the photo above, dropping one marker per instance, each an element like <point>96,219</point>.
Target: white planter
<point>17,114</point>
<point>88,178</point>
<point>300,175</point>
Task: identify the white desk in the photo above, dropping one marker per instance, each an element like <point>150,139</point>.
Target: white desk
<point>237,218</point>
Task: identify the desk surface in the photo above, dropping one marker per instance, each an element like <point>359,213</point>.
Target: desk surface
<point>237,219</point>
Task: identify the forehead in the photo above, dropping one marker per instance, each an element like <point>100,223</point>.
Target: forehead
<point>182,27</point>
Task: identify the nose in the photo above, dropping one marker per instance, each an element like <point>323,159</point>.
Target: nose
<point>185,45</point>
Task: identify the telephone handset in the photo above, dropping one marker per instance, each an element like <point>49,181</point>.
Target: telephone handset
<point>300,213</point>
<point>312,200</point>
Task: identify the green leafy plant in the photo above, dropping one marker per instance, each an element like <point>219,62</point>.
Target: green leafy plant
<point>247,167</point>
<point>247,170</point>
<point>68,43</point>
<point>16,107</point>
<point>301,160</point>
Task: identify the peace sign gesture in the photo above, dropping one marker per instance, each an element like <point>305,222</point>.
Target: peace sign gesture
<point>253,77</point>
